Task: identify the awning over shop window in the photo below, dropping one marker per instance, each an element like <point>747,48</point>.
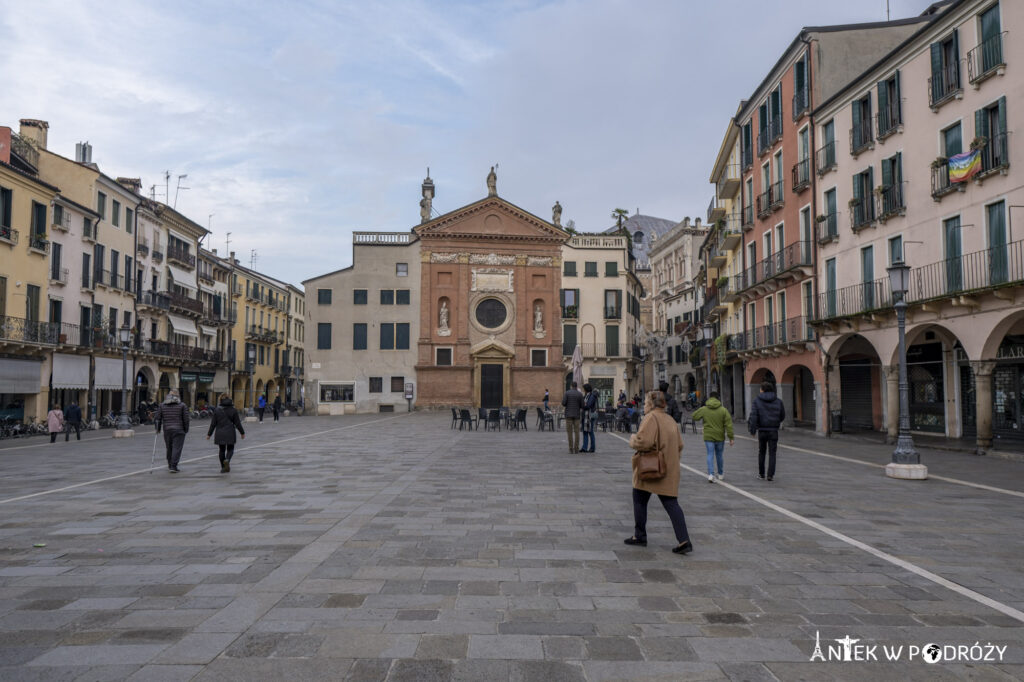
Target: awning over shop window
<point>20,376</point>
<point>70,371</point>
<point>108,374</point>
<point>183,278</point>
<point>183,325</point>
<point>208,331</point>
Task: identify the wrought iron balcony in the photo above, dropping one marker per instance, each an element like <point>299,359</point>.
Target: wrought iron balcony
<point>764,203</point>
<point>778,195</point>
<point>862,213</point>
<point>941,185</point>
<point>780,264</point>
<point>944,85</point>
<point>801,103</point>
<point>828,228</point>
<point>796,330</point>
<point>20,330</point>
<point>185,303</point>
<point>8,235</point>
<point>89,230</point>
<point>857,299</point>
<point>142,247</point>
<point>257,332</point>
<point>746,158</point>
<point>715,211</point>
<point>890,201</point>
<point>181,255</point>
<point>748,217</point>
<point>612,313</point>
<point>158,255</point>
<point>153,299</point>
<point>889,119</point>
<point>995,154</point>
<point>860,137</point>
<point>570,312</point>
<point>182,352</point>
<point>106,278</point>
<point>825,158</point>
<point>38,243</point>
<point>601,350</point>
<point>25,150</point>
<point>58,276</point>
<point>801,175</point>
<point>987,59</point>
<point>729,181</point>
<point>990,268</point>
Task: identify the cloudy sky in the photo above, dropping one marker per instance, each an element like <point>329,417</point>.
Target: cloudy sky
<point>298,122</point>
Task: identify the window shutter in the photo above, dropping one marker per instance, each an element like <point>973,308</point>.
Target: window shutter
<point>936,49</point>
<point>856,123</point>
<point>883,99</point>
<point>887,165</point>
<point>1002,116</point>
<point>897,106</point>
<point>897,175</point>
<point>858,186</point>
<point>980,123</point>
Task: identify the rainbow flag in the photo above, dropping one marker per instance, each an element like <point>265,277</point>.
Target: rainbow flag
<point>962,167</point>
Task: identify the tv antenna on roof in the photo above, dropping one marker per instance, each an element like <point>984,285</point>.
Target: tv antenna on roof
<point>178,189</point>
<point>252,259</point>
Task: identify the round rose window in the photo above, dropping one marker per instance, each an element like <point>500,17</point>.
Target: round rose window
<point>491,313</point>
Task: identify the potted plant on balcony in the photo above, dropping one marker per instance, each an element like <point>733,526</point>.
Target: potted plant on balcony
<point>978,142</point>
<point>723,281</point>
<point>853,203</point>
<point>939,162</point>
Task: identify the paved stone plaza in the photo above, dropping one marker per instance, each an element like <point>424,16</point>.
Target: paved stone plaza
<point>391,547</point>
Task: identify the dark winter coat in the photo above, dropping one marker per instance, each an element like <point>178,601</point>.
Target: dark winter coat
<point>277,404</point>
<point>767,413</point>
<point>172,416</point>
<point>572,401</point>
<point>224,422</point>
<point>73,415</point>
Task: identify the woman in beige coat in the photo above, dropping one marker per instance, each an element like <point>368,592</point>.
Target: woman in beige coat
<point>659,431</point>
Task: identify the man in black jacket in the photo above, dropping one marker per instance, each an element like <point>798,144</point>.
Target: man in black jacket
<point>766,415</point>
<point>72,420</point>
<point>172,417</point>
<point>572,401</point>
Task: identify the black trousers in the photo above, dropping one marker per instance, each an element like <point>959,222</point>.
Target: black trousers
<point>767,440</point>
<point>175,441</point>
<point>77,428</point>
<point>226,451</point>
<point>671,505</point>
<point>277,415</point>
<point>259,412</point>
<point>53,435</point>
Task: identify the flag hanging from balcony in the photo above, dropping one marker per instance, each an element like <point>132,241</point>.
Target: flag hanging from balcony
<point>962,167</point>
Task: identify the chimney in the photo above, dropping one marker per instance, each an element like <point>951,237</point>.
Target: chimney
<point>83,152</point>
<point>214,252</point>
<point>35,130</point>
<point>5,144</point>
<point>233,261</point>
<point>686,222</point>
<point>134,184</point>
<point>696,223</point>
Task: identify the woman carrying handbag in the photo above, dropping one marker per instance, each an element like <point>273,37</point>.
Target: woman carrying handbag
<point>222,427</point>
<point>658,444</point>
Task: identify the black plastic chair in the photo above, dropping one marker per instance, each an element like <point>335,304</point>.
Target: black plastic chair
<point>520,419</point>
<point>545,418</point>
<point>466,419</point>
<point>481,416</point>
<point>506,417</point>
<point>493,420</point>
<point>455,417</point>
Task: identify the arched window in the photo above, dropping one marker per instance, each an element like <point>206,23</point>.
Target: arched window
<point>638,237</point>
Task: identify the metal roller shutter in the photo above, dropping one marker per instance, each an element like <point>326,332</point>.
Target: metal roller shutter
<point>856,394</point>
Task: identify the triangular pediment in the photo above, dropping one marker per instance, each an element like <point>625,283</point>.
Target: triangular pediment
<point>491,218</point>
<point>492,347</point>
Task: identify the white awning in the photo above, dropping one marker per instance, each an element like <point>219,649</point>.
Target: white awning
<point>208,331</point>
<point>20,376</point>
<point>70,371</point>
<point>183,278</point>
<point>183,325</point>
<point>108,374</point>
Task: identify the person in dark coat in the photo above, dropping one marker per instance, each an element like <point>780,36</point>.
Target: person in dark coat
<point>222,427</point>
<point>572,401</point>
<point>172,418</point>
<point>73,420</point>
<point>277,408</point>
<point>766,416</point>
<point>589,418</point>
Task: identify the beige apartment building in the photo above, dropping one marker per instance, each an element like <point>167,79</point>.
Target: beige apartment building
<point>364,326</point>
<point>293,369</point>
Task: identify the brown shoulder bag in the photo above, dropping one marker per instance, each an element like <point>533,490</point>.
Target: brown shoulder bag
<point>650,464</point>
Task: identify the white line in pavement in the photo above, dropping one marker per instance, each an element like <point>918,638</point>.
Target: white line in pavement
<point>895,560</point>
<point>957,481</point>
<point>194,459</point>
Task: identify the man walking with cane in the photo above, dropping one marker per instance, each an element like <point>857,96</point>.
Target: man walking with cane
<point>172,417</point>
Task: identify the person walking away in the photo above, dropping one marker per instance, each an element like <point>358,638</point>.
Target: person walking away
<point>172,418</point>
<point>261,406</point>
<point>547,400</point>
<point>766,416</point>
<point>658,431</point>
<point>277,408</point>
<point>54,422</point>
<point>717,426</point>
<point>672,408</point>
<point>73,420</point>
<point>222,427</point>
<point>589,417</point>
<point>572,401</point>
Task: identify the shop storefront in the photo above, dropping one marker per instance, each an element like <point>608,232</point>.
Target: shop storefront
<point>69,379</point>
<point>19,388</point>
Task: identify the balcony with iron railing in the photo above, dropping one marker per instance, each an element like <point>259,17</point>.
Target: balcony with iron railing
<point>727,289</point>
<point>941,184</point>
<point>782,264</point>
<point>38,243</point>
<point>205,274</point>
<point>828,228</point>
<point>106,278</point>
<point>158,255</point>
<point>801,103</point>
<point>181,255</point>
<point>601,350</point>
<point>769,135</point>
<point>862,213</point>
<point>746,158</point>
<point>987,59</point>
<point>778,195</point>
<point>153,299</point>
<point>570,312</point>
<point>795,330</point>
<point>184,303</point>
<point>748,217</point>
<point>825,158</point>
<point>27,151</point>
<point>613,312</point>
<point>857,299</point>
<point>729,181</point>
<point>8,235</point>
<point>18,330</point>
<point>889,119</point>
<point>801,175</point>
<point>237,289</point>
<point>861,138</point>
<point>183,352</point>
<point>994,155</point>
<point>730,232</point>
<point>944,85</point>
<point>89,231</point>
<point>890,201</point>
<point>58,276</point>
<point>764,203</point>
<point>260,333</point>
<point>715,210</point>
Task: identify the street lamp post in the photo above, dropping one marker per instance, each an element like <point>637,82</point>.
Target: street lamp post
<point>123,427</point>
<point>708,332</point>
<point>906,462</point>
<point>249,411</point>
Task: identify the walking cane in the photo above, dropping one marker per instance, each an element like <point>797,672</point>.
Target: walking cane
<point>152,457</point>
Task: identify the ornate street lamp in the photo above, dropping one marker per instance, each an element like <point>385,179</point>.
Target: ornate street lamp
<point>123,423</point>
<point>249,412</point>
<point>707,337</point>
<point>906,462</point>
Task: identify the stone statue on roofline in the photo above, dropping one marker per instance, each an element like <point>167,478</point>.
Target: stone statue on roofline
<point>556,214</point>
<point>492,183</point>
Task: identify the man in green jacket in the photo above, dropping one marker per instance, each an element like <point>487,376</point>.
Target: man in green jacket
<point>717,425</point>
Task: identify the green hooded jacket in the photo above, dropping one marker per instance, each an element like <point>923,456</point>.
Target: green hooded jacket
<point>717,421</point>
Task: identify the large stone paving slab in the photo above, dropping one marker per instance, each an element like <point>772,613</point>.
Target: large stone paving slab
<point>372,548</point>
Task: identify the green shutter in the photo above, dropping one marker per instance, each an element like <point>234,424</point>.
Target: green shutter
<point>883,100</point>
<point>898,168</point>
<point>858,187</point>
<point>981,123</point>
<point>1002,116</point>
<point>887,165</point>
<point>898,105</point>
<point>856,121</point>
<point>936,49</point>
